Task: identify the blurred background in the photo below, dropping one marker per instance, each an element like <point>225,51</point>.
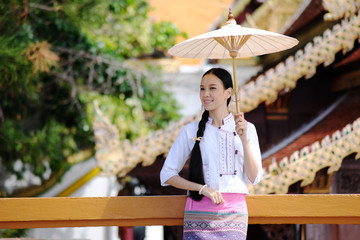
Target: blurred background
<point>59,57</point>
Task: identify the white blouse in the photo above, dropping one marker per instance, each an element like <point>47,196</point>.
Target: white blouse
<point>222,155</point>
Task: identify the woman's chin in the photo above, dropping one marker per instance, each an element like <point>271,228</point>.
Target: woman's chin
<point>208,108</point>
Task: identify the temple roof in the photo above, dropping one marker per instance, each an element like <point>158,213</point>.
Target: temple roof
<point>323,145</point>
<point>303,164</point>
<point>318,130</point>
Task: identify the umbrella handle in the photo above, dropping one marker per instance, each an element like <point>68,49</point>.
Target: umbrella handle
<point>236,90</point>
<point>235,86</point>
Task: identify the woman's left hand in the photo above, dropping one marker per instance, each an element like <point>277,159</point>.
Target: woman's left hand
<point>241,125</point>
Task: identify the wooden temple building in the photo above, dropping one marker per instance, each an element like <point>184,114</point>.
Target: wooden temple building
<point>305,104</point>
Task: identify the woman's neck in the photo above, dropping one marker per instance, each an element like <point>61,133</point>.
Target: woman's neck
<point>218,117</point>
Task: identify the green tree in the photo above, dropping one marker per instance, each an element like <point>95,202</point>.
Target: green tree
<point>56,57</point>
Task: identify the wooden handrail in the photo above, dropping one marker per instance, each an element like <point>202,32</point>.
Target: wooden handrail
<point>169,210</point>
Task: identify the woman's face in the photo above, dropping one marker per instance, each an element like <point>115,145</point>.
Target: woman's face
<point>213,95</point>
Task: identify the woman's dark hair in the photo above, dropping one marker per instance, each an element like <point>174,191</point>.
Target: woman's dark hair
<point>196,173</point>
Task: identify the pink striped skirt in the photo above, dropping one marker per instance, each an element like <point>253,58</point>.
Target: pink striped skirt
<point>204,220</point>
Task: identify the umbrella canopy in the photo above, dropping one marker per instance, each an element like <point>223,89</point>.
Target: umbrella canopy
<point>244,42</point>
<point>233,41</point>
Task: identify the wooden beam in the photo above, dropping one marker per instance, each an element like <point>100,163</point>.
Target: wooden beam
<point>92,211</point>
<point>169,210</point>
<point>347,80</point>
<point>304,209</point>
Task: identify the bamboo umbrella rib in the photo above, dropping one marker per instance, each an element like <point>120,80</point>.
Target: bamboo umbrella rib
<point>205,45</point>
<point>285,41</point>
<point>221,52</point>
<point>189,46</point>
<point>258,41</point>
<point>226,49</point>
<point>194,45</point>
<point>239,41</point>
<point>223,42</point>
<point>249,48</point>
<point>243,40</point>
<point>211,49</point>
<point>261,41</point>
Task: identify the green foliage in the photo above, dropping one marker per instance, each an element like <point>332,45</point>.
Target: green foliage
<point>16,74</point>
<point>127,18</point>
<point>46,116</point>
<point>49,143</point>
<point>159,106</point>
<point>12,233</point>
<point>132,116</point>
<point>164,34</point>
<point>123,112</point>
<point>122,27</point>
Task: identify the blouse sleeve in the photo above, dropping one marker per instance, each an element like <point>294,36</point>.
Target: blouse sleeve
<point>255,149</point>
<point>177,156</point>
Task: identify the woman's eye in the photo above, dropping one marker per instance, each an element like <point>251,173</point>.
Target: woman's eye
<point>213,88</point>
<point>202,88</point>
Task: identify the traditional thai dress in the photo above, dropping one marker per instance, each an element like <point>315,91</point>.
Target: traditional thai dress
<point>223,168</point>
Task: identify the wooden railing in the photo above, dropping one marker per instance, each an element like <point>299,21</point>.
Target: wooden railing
<point>169,210</point>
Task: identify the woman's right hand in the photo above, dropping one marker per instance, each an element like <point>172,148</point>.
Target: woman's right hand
<point>182,183</point>
<point>215,196</point>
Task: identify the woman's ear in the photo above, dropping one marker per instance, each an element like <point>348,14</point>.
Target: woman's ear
<point>229,92</point>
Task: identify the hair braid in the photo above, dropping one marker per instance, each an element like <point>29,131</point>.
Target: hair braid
<point>196,173</point>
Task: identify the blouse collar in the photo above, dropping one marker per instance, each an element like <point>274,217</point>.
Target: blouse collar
<point>228,119</point>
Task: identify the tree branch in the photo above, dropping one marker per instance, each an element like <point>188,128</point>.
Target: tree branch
<point>71,80</point>
<point>112,65</point>
<point>45,8</point>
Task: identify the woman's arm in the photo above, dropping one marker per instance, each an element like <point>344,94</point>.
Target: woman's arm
<point>250,164</point>
<point>182,183</point>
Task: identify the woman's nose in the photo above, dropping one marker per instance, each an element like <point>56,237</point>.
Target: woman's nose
<point>206,93</point>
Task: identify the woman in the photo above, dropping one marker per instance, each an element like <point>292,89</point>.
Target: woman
<point>224,156</point>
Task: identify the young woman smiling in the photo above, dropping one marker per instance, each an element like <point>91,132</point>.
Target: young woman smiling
<point>224,157</point>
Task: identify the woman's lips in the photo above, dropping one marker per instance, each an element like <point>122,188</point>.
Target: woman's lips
<point>207,101</point>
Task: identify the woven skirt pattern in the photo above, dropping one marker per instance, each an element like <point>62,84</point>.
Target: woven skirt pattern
<point>204,220</point>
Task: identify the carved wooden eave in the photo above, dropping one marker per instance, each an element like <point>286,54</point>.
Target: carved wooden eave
<point>272,15</point>
<point>118,158</point>
<point>115,157</point>
<point>321,50</point>
<point>304,164</point>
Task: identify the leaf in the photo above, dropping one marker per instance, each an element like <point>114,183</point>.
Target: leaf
<point>41,56</point>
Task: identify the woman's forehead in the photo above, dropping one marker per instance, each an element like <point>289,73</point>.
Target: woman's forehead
<point>210,79</point>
